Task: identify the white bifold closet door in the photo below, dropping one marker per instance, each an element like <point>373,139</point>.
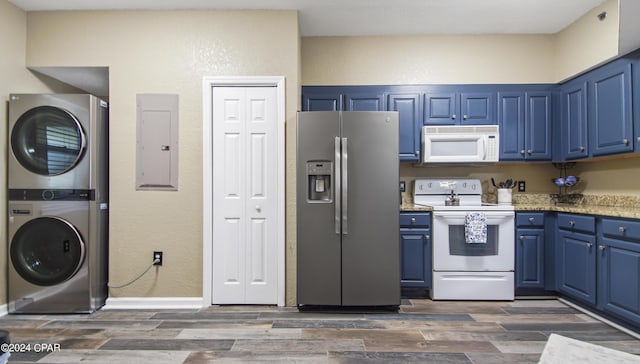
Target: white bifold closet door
<point>245,188</point>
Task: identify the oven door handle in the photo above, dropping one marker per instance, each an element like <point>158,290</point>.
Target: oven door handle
<point>462,214</point>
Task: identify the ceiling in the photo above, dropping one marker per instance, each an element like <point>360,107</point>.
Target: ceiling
<point>377,17</point>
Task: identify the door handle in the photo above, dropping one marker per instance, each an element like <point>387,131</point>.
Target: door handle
<point>164,148</point>
<point>345,186</point>
<point>336,189</point>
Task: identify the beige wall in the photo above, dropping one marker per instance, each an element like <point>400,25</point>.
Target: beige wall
<point>427,59</point>
<point>587,42</point>
<point>610,176</point>
<point>167,52</point>
<point>14,78</point>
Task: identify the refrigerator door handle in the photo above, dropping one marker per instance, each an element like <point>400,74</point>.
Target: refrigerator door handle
<point>336,190</point>
<point>345,187</point>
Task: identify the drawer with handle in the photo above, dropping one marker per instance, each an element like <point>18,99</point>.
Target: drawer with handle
<point>577,222</point>
<point>415,220</point>
<point>620,228</point>
<point>529,219</point>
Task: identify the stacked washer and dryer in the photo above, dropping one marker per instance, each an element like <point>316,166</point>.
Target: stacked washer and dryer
<point>58,203</point>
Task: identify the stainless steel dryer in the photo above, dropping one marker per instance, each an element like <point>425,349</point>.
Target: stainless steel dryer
<point>57,141</point>
<point>58,256</point>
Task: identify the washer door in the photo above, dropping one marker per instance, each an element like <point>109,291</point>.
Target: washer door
<point>47,251</point>
<point>48,140</point>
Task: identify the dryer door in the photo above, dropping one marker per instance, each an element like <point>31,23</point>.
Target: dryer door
<point>48,140</point>
<point>47,251</point>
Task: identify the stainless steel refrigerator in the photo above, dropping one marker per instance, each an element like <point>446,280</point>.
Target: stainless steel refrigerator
<point>348,249</point>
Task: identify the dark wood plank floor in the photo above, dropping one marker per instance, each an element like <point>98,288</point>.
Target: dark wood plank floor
<point>423,331</point>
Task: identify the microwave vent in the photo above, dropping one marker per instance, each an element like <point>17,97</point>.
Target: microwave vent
<point>461,129</point>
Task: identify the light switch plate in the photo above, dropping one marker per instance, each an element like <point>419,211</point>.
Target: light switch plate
<point>403,186</point>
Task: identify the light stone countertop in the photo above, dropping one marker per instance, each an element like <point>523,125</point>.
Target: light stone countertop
<point>612,206</point>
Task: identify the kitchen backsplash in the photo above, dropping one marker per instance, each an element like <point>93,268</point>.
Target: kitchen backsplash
<point>606,182</point>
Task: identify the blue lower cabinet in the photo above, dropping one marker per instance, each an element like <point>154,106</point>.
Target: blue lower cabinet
<point>619,268</point>
<point>530,258</point>
<point>415,250</point>
<point>619,278</point>
<point>576,270</point>
<point>416,258</point>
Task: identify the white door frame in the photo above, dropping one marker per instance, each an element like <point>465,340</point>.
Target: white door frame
<point>207,174</point>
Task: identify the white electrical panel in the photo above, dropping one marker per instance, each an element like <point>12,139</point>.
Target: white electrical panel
<point>157,142</point>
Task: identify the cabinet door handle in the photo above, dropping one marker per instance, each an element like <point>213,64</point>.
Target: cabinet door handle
<point>589,246</point>
<point>413,220</point>
<point>529,151</point>
<point>625,141</point>
<point>572,223</point>
<point>521,237</point>
<point>601,247</point>
<point>453,116</point>
<point>582,149</point>
<point>531,219</point>
<point>464,117</point>
<point>621,229</point>
<point>522,151</point>
<point>427,237</point>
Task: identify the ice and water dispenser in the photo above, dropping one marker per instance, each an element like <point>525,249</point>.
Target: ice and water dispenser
<point>319,178</point>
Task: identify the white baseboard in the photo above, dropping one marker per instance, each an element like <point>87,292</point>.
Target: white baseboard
<point>153,303</point>
<point>4,309</point>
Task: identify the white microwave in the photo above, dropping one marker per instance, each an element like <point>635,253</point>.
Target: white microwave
<point>460,144</point>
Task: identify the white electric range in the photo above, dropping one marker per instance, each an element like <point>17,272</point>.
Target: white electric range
<point>463,269</point>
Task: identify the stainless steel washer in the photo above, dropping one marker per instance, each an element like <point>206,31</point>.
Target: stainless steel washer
<point>57,254</point>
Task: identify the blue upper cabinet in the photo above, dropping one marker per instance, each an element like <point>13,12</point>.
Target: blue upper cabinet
<point>451,107</point>
<point>610,109</point>
<point>322,99</point>
<point>574,142</point>
<point>370,100</point>
<point>525,125</point>
<point>478,108</point>
<point>441,108</point>
<point>409,110</point>
<point>597,112</point>
<point>512,125</point>
<point>355,98</point>
<point>538,124</point>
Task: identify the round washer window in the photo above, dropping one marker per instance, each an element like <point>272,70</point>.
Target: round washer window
<point>47,251</point>
<point>47,140</point>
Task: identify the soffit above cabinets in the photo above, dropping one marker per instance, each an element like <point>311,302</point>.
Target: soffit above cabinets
<point>376,17</point>
<point>94,80</point>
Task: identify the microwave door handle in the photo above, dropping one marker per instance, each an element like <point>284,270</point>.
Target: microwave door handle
<point>484,148</point>
<point>336,184</point>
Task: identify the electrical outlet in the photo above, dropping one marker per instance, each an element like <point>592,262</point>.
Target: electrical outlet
<point>521,186</point>
<point>157,256</point>
<point>403,186</point>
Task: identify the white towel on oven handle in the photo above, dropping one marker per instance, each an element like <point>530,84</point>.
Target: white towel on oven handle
<point>475,228</point>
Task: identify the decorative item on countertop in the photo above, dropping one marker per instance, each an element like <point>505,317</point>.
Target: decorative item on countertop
<point>564,183</point>
<point>504,190</point>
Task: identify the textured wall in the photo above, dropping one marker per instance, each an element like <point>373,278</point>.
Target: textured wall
<point>436,59</point>
<point>167,52</point>
<point>587,42</point>
<point>14,78</point>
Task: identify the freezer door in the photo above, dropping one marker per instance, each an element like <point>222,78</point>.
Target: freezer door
<point>318,243</point>
<point>370,245</point>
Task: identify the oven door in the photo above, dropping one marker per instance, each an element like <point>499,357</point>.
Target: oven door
<point>451,252</point>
